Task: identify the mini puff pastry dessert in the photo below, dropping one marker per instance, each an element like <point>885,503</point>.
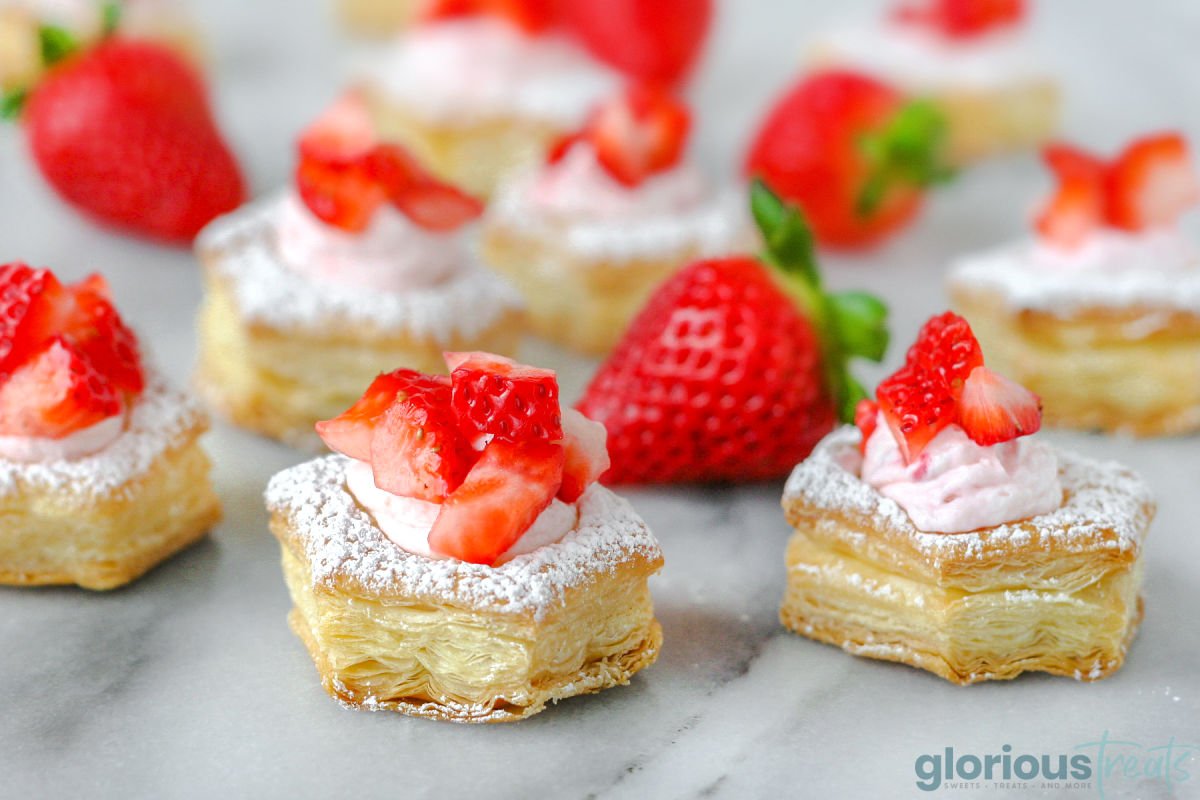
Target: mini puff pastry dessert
<point>456,558</point>
<point>361,265</point>
<point>940,535</point>
<point>378,17</point>
<point>101,473</point>
<point>477,92</point>
<point>1099,312</point>
<point>614,211</point>
<point>970,57</point>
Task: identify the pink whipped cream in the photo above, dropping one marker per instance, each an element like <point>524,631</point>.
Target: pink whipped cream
<point>1114,251</point>
<point>83,442</point>
<point>406,521</point>
<point>956,485</point>
<point>392,255</point>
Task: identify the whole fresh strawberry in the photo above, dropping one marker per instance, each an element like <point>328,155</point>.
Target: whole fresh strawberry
<point>657,41</point>
<point>853,152</point>
<point>736,367</point>
<point>123,132</point>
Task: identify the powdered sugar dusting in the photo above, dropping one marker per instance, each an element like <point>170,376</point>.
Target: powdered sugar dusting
<point>157,421</point>
<point>341,541</point>
<point>1100,496</point>
<point>242,247</point>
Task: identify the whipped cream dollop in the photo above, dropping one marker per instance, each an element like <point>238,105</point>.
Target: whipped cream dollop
<point>476,68</point>
<point>83,442</point>
<point>956,485</point>
<point>406,521</point>
<point>924,59</point>
<point>393,254</point>
<point>1113,251</point>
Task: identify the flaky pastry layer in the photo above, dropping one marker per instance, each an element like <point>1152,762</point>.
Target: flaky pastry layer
<point>377,17</point>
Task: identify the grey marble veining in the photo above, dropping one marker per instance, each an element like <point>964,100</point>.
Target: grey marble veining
<point>188,684</point>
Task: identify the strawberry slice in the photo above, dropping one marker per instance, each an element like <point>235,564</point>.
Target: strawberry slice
<point>101,336</point>
<point>56,393</point>
<point>1151,183</point>
<point>995,409</point>
<point>946,345</point>
<point>497,397</point>
<point>502,495</point>
<point>866,418</point>
<point>916,405</point>
<point>343,196</point>
<point>425,200</point>
<point>1067,161</point>
<point>531,16</point>
<point>586,453</point>
<point>638,133</point>
<point>417,449</point>
<point>1075,210</point>
<point>962,19</point>
<point>32,306</point>
<point>343,134</point>
<point>351,433</point>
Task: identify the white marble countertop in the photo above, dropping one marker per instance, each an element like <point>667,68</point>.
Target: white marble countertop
<point>189,684</point>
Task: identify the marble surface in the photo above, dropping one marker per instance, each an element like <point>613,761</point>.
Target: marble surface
<point>189,684</point>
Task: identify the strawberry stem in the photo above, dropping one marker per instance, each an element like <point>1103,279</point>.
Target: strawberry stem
<point>848,324</point>
<point>12,102</point>
<point>110,18</point>
<point>908,151</point>
<point>56,44</point>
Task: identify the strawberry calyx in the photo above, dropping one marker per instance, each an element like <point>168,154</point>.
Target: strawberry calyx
<point>908,151</point>
<point>849,324</point>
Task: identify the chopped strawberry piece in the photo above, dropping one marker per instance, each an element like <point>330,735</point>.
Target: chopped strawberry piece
<point>417,449</point>
<point>1067,161</point>
<point>638,133</point>
<point>866,418</point>
<point>97,330</point>
<point>585,443</point>
<point>962,19</point>
<point>342,196</point>
<point>497,397</point>
<point>1152,183</point>
<point>995,409</point>
<point>1075,210</point>
<point>916,405</point>
<point>350,433</point>
<point>32,306</point>
<point>502,495</point>
<point>437,206</point>
<point>531,16</point>
<point>343,134</point>
<point>54,394</point>
<point>559,149</point>
<point>947,346</point>
<point>657,41</point>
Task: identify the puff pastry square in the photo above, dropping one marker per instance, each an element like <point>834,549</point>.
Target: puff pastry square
<point>448,640</point>
<point>105,519</point>
<point>1057,593</point>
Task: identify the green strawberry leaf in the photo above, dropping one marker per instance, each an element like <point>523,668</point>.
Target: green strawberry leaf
<point>860,320</point>
<point>12,102</point>
<point>788,237</point>
<point>909,151</point>
<point>56,43</point>
<point>111,18</point>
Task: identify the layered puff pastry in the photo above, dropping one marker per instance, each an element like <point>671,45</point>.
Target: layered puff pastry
<point>449,640</point>
<point>1057,593</point>
<point>280,351</point>
<point>378,17</point>
<point>102,520</point>
<point>1111,352</point>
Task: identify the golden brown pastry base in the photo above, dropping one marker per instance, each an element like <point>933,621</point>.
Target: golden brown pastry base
<point>579,303</point>
<point>377,17</point>
<point>101,543</point>
<point>279,383</point>
<point>474,156</point>
<point>985,123</point>
<point>1134,371</point>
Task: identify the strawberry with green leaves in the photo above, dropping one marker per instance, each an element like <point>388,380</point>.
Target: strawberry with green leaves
<point>736,367</point>
<point>854,153</point>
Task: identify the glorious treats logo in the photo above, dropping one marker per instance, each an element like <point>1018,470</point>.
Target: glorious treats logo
<point>1096,766</point>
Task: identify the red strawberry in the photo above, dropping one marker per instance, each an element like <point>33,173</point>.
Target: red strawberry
<point>947,346</point>
<point>586,452</point>
<point>531,16</point>
<point>917,405</point>
<point>1073,212</point>
<point>31,311</point>
<point>428,202</point>
<point>102,338</point>
<point>343,134</point>
<point>638,133</point>
<point>124,133</point>
<point>1151,183</point>
<point>417,449</point>
<point>56,393</point>
<point>343,196</point>
<point>866,419</point>
<point>505,491</point>
<point>497,397</point>
<point>734,369</point>
<point>963,18</point>
<point>1067,161</point>
<point>351,432</point>
<point>853,153</point>
<point>995,409</point>
<point>650,41</point>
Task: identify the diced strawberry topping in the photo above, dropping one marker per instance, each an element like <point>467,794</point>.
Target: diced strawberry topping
<point>502,495</point>
<point>866,419</point>
<point>54,394</point>
<point>531,16</point>
<point>946,345</point>
<point>658,41</point>
<point>917,405</point>
<point>638,133</point>
<point>962,19</point>
<point>1067,161</point>
<point>497,397</point>
<point>586,451</point>
<point>1152,183</point>
<point>417,449</point>
<point>343,134</point>
<point>995,409</point>
<point>97,330</point>
<point>31,311</point>
<point>1074,211</point>
<point>350,433</point>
